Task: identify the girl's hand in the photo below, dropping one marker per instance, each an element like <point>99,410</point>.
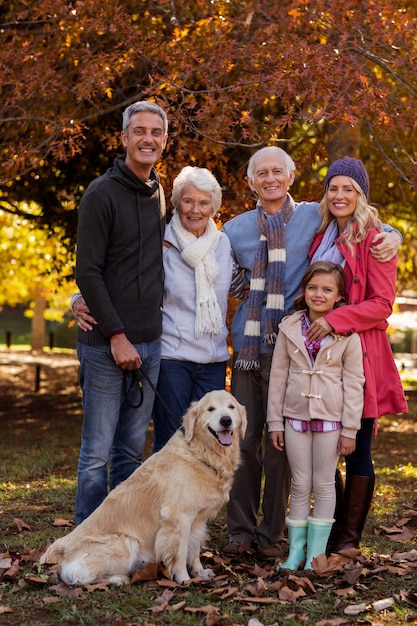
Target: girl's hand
<point>345,445</point>
<point>277,440</point>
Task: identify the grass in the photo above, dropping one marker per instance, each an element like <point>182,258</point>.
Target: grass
<point>39,447</point>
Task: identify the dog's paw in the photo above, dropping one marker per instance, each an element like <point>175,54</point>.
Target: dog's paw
<point>118,579</point>
<point>182,577</point>
<point>205,573</point>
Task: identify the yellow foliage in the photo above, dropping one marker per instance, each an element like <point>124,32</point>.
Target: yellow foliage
<point>35,261</point>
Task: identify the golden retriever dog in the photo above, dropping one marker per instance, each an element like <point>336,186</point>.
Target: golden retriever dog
<point>160,513</point>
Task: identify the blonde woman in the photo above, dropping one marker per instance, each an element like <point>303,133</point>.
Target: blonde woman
<point>348,227</point>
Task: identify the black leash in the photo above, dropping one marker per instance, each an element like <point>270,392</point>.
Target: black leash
<point>138,375</point>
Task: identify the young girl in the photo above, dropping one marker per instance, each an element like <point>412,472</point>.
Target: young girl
<point>316,398</point>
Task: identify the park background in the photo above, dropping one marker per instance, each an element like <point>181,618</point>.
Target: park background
<point>322,80</point>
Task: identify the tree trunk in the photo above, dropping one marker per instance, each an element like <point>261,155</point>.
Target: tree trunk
<point>342,140</point>
<point>38,325</point>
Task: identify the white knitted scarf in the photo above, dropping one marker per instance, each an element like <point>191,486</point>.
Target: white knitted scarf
<point>199,253</point>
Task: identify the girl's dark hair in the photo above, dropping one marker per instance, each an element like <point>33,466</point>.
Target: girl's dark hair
<point>321,267</point>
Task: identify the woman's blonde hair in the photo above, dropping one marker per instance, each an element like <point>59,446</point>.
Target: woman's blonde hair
<point>364,218</point>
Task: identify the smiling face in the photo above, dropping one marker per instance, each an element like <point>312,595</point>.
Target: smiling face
<point>271,181</point>
<point>144,141</point>
<point>195,209</point>
<point>321,294</point>
<point>219,416</point>
<point>341,199</point>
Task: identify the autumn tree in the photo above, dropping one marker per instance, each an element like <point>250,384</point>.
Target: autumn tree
<point>36,269</point>
<point>320,79</point>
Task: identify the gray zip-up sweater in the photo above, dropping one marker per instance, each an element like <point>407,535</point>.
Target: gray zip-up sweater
<point>119,255</point>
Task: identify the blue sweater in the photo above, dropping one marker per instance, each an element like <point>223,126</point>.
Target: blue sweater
<point>244,236</point>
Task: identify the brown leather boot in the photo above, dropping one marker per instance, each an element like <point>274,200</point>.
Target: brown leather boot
<point>338,513</point>
<point>356,502</point>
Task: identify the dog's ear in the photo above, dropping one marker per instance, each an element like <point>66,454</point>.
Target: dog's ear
<point>243,421</point>
<point>188,421</point>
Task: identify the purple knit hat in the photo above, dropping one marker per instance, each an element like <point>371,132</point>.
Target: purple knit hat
<point>349,167</point>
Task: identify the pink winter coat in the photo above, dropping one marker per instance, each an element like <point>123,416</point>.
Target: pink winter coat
<point>370,287</point>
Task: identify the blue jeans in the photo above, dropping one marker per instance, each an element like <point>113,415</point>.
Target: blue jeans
<point>113,433</point>
<point>179,384</point>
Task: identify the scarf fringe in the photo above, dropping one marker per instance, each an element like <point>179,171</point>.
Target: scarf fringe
<point>241,364</point>
<point>270,339</point>
<point>208,319</point>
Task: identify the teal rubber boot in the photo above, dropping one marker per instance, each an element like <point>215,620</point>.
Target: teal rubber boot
<point>297,535</point>
<point>317,536</point>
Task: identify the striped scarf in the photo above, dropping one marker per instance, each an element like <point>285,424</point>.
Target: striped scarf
<point>270,259</point>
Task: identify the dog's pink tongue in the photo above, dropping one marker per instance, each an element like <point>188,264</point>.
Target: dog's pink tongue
<point>225,437</point>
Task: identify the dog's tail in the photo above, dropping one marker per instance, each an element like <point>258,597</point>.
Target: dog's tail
<point>53,555</point>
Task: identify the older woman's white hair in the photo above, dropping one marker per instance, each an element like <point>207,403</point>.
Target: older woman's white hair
<point>270,151</point>
<point>201,179</point>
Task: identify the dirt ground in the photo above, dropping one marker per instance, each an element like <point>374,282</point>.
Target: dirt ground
<point>57,379</point>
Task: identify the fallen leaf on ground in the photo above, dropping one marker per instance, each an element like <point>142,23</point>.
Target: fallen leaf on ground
<point>20,525</point>
<point>258,589</point>
<point>50,600</point>
<point>176,607</point>
<point>302,581</point>
<point>344,592</point>
<point>40,580</point>
<point>291,595</point>
<point>410,597</point>
<point>353,574</point>
<point>166,596</point>
<point>405,556</point>
<point>5,563</point>
<point>31,555</point>
<point>62,589</point>
<point>212,619</point>
<point>103,586</point>
<point>224,592</point>
<point>149,572</point>
<point>355,609</point>
<point>59,521</point>
<point>381,605</point>
<point>255,600</point>
<point>208,609</point>
<point>5,609</point>
<point>13,571</point>
<point>324,566</point>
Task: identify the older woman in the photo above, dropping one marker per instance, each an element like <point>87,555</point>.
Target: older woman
<point>198,270</point>
<point>348,227</point>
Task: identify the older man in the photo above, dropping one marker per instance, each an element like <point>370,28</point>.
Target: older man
<point>271,243</point>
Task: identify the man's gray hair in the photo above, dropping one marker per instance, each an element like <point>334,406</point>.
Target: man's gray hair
<point>144,105</point>
<point>270,150</point>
